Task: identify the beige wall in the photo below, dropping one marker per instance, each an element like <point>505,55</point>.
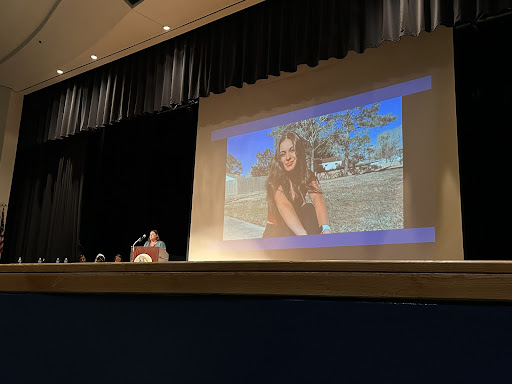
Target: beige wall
<point>11,104</point>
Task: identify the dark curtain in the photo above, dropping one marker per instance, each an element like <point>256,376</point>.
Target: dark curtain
<point>138,177</point>
<point>45,202</point>
<point>99,191</point>
<point>262,40</point>
<point>483,86</point>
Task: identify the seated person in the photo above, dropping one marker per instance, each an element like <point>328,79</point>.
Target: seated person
<point>289,182</point>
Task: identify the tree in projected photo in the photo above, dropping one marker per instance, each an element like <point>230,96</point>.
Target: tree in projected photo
<point>343,134</point>
<point>355,142</point>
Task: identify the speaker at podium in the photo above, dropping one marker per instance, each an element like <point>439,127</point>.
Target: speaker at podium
<point>149,254</point>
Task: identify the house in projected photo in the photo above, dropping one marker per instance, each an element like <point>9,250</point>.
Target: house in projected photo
<point>330,163</point>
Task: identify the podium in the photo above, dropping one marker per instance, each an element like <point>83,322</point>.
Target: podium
<point>157,254</point>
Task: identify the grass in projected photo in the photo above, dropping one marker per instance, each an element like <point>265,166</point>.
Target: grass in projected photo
<point>357,155</point>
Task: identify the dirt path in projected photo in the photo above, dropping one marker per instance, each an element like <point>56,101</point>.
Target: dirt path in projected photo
<point>368,202</point>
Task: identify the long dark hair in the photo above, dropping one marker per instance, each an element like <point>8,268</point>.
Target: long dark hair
<point>301,176</point>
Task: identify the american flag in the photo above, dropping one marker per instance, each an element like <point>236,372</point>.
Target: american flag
<point>2,230</point>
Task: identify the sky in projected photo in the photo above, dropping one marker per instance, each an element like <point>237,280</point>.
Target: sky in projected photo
<point>245,147</point>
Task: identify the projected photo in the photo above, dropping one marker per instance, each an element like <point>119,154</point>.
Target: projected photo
<point>333,172</point>
<point>343,170</point>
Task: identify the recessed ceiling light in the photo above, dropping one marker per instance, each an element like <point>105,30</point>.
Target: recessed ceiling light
<point>166,27</point>
<point>60,72</point>
<point>94,57</point>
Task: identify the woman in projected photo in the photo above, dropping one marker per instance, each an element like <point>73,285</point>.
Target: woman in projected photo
<point>289,181</point>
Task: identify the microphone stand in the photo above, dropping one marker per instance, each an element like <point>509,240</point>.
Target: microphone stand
<point>133,245</point>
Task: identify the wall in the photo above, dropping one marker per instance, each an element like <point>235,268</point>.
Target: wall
<point>10,115</point>
<point>232,339</point>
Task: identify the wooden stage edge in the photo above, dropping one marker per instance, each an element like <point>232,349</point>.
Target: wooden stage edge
<point>395,280</point>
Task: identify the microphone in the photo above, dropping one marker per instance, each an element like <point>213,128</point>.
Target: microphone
<point>139,239</point>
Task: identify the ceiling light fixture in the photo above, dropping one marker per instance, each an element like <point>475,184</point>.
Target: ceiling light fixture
<point>94,57</point>
<point>166,27</point>
<point>60,72</point>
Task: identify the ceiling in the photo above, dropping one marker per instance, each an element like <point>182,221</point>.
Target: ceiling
<point>38,37</point>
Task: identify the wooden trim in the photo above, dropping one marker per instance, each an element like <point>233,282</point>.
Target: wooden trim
<point>414,266</point>
<point>451,280</point>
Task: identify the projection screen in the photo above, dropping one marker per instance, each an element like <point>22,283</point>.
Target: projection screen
<point>379,132</point>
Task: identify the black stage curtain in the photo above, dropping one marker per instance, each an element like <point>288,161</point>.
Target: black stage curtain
<point>262,40</point>
<point>45,202</point>
<point>99,191</point>
<point>483,86</point>
<point>138,178</point>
